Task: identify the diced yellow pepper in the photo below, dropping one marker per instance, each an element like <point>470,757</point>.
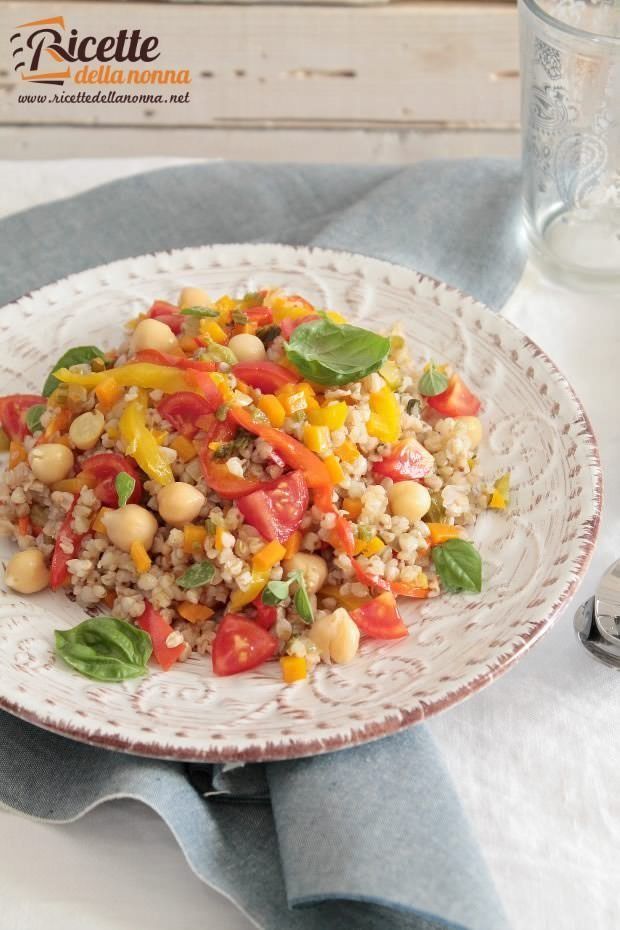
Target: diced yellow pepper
<point>294,668</point>
<point>334,468</point>
<point>75,485</point>
<point>108,394</point>
<point>221,383</point>
<point>219,537</point>
<point>287,306</point>
<point>5,442</point>
<point>292,545</point>
<point>184,448</point>
<point>497,501</point>
<point>390,373</point>
<point>225,306</point>
<point>373,546</point>
<point>440,532</point>
<point>500,498</point>
<point>140,557</point>
<point>296,397</point>
<point>213,330</point>
<point>193,538</point>
<point>194,613</point>
<point>334,316</point>
<point>316,438</point>
<point>384,421</point>
<point>353,506</point>
<point>333,416</point>
<point>241,598</point>
<point>268,556</point>
<point>160,435</point>
<point>141,445</point>
<point>294,403</point>
<point>272,408</point>
<point>188,344</point>
<point>347,451</point>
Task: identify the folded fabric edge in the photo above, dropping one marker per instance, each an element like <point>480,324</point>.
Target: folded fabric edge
<point>441,923</point>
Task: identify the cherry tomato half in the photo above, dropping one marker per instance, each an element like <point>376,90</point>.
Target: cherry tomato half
<point>159,630</point>
<point>241,644</point>
<point>168,314</point>
<point>266,615</point>
<point>13,411</point>
<point>262,316</point>
<point>104,467</point>
<point>183,409</point>
<point>67,539</point>
<point>290,324</point>
<point>456,401</point>
<point>215,472</point>
<point>277,511</point>
<point>380,618</point>
<point>405,462</point>
<point>268,377</point>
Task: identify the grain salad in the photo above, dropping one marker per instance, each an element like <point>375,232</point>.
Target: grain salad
<point>247,478</point>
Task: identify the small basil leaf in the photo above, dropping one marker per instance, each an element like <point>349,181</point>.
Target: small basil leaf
<point>458,565</point>
<point>79,355</point>
<point>197,575</point>
<point>105,648</point>
<point>199,312</point>
<point>33,417</point>
<point>303,605</point>
<point>335,354</point>
<point>275,592</point>
<point>433,381</point>
<point>125,486</point>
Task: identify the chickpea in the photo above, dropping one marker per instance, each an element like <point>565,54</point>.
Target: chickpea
<point>86,429</point>
<point>27,572</point>
<point>153,334</point>
<point>336,636</point>
<point>409,499</point>
<point>51,462</point>
<point>247,348</point>
<point>473,429</point>
<point>179,503</point>
<point>194,297</point>
<point>129,524</point>
<point>312,567</point>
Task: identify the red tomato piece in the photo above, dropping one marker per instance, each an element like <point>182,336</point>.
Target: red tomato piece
<point>268,377</point>
<point>344,534</point>
<point>456,401</point>
<point>266,615</point>
<point>262,316</point>
<point>67,539</point>
<point>380,618</point>
<point>290,324</point>
<point>105,466</point>
<point>276,512</point>
<point>241,644</point>
<point>159,630</point>
<point>405,462</point>
<point>168,314</point>
<point>155,357</point>
<point>13,410</point>
<point>183,409</point>
<point>292,451</point>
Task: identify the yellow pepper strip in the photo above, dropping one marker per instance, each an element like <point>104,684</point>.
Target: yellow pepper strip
<point>500,497</point>
<point>241,598</point>
<point>384,421</point>
<point>292,545</point>
<point>97,524</point>
<point>333,416</point>
<point>334,468</point>
<point>347,451</point>
<point>75,485</point>
<point>348,601</point>
<point>140,557</point>
<point>194,613</point>
<point>272,408</point>
<point>353,506</point>
<point>108,393</point>
<point>268,556</point>
<point>294,668</point>
<point>193,538</point>
<point>139,374</point>
<point>184,448</point>
<point>160,435</point>
<point>219,534</point>
<point>141,444</point>
<point>211,329</point>
<point>440,532</point>
<point>316,438</point>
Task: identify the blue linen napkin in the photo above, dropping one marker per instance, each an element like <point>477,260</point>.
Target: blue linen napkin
<point>367,838</point>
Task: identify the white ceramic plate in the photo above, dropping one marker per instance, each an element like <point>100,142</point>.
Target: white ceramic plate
<point>533,556</point>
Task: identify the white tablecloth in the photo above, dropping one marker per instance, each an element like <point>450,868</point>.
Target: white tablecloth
<point>534,757</point>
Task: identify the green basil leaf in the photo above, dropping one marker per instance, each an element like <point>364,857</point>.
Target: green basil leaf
<point>79,355</point>
<point>267,334</point>
<point>275,592</point>
<point>199,312</point>
<point>334,355</point>
<point>303,605</point>
<point>105,648</point>
<point>239,317</point>
<point>125,486</point>
<point>197,575</point>
<point>33,417</point>
<point>458,565</point>
<point>433,381</point>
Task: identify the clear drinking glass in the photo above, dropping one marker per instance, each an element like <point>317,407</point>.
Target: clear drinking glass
<point>570,117</point>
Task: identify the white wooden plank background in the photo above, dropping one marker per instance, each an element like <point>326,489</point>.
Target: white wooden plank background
<point>388,83</point>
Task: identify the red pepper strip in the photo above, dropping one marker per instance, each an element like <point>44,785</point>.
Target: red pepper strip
<point>159,630</point>
<point>293,452</point>
<point>216,473</point>
<point>58,568</point>
<point>155,357</point>
<point>400,588</point>
<point>344,534</point>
